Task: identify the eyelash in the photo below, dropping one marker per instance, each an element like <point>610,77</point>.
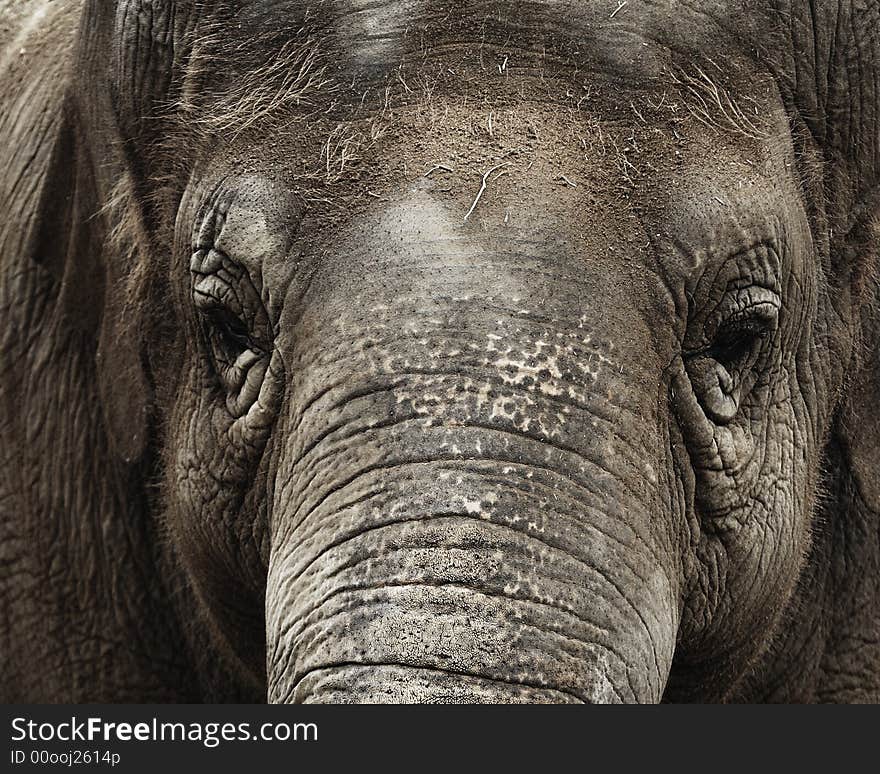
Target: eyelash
<point>735,340</point>
<point>736,337</point>
<point>230,328</point>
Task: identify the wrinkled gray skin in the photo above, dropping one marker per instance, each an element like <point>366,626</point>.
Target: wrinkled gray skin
<point>284,416</point>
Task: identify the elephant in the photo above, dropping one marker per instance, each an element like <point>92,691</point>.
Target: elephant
<point>424,351</point>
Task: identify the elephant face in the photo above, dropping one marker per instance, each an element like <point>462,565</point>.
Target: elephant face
<point>493,348</point>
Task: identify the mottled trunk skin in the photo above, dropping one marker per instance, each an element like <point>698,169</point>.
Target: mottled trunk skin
<point>462,509</point>
<point>438,597</point>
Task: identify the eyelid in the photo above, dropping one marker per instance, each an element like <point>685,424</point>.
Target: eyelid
<point>211,291</point>
<point>219,302</point>
<point>752,303</point>
<point>221,317</point>
<point>761,311</point>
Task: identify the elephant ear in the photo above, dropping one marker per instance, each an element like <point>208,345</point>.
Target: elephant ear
<point>150,47</point>
<point>68,242</point>
<point>122,382</point>
<point>832,78</point>
<point>129,52</point>
<point>132,53</point>
<point>861,427</point>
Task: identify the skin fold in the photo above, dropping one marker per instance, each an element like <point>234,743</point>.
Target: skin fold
<point>439,351</point>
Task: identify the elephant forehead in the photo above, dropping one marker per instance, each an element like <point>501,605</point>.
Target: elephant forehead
<point>419,249</point>
<point>560,224</point>
<point>364,37</point>
<point>410,285</point>
<point>621,33</point>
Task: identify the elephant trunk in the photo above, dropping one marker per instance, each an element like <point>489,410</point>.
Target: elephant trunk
<point>471,501</point>
<point>465,566</point>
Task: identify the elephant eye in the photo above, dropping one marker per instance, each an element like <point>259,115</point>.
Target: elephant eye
<point>724,370</point>
<point>233,333</point>
<point>738,339</point>
<point>231,319</point>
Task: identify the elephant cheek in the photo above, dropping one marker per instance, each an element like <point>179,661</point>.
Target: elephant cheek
<point>437,582</point>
